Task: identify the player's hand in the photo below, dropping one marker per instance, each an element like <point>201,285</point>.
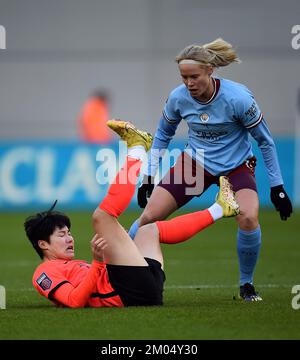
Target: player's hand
<point>281,201</point>
<point>145,191</point>
<point>98,245</point>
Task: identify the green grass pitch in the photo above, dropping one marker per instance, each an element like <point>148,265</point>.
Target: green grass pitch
<point>202,278</point>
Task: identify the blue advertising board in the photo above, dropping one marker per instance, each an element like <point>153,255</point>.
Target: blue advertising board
<point>34,174</point>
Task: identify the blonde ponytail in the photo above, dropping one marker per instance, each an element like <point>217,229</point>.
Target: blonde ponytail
<point>216,53</point>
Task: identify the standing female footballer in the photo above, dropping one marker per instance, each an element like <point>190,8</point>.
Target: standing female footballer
<point>220,115</point>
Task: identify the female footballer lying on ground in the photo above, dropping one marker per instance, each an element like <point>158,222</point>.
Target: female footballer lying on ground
<point>123,272</point>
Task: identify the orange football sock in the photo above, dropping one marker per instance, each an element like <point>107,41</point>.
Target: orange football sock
<point>122,189</point>
<point>183,227</point>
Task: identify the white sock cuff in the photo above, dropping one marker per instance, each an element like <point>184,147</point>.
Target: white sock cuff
<point>216,211</point>
<point>137,152</point>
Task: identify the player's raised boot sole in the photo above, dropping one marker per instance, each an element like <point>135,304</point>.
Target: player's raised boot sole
<point>129,133</point>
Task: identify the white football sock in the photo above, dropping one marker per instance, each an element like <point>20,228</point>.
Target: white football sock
<point>216,211</point>
<point>137,152</point>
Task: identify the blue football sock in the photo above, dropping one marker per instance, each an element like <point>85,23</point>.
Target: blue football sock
<point>248,245</point>
<point>134,228</point>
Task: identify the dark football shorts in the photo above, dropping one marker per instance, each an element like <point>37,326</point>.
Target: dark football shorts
<point>180,181</point>
<point>138,285</point>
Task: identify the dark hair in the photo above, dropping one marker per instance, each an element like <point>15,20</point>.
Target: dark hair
<point>42,225</point>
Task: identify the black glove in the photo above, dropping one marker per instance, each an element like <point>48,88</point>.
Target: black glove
<point>281,201</point>
<point>145,191</point>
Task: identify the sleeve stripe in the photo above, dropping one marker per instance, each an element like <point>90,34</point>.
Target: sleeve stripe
<point>51,292</point>
<point>256,122</point>
<point>168,120</point>
<point>104,296</point>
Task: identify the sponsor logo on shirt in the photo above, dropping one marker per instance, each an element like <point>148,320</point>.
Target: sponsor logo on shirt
<point>44,282</point>
<point>211,135</point>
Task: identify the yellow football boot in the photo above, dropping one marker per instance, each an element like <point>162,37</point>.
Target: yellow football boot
<point>130,134</point>
<point>226,198</point>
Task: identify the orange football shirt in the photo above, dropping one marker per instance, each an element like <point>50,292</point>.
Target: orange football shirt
<point>75,283</point>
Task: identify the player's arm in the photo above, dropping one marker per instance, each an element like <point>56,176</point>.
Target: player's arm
<point>166,129</point>
<point>267,147</point>
<point>266,144</point>
<point>252,119</point>
<point>76,297</point>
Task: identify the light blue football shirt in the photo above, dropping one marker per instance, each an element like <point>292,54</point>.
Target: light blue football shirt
<point>220,127</point>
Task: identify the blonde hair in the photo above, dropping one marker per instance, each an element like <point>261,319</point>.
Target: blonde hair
<point>216,53</point>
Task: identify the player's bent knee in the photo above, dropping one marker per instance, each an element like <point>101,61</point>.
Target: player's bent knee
<point>98,215</point>
<point>247,221</point>
<point>147,242</point>
<point>146,218</point>
<point>148,231</point>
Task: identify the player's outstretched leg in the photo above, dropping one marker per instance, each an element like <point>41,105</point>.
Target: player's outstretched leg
<point>183,227</point>
<point>122,189</point>
<point>120,248</point>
